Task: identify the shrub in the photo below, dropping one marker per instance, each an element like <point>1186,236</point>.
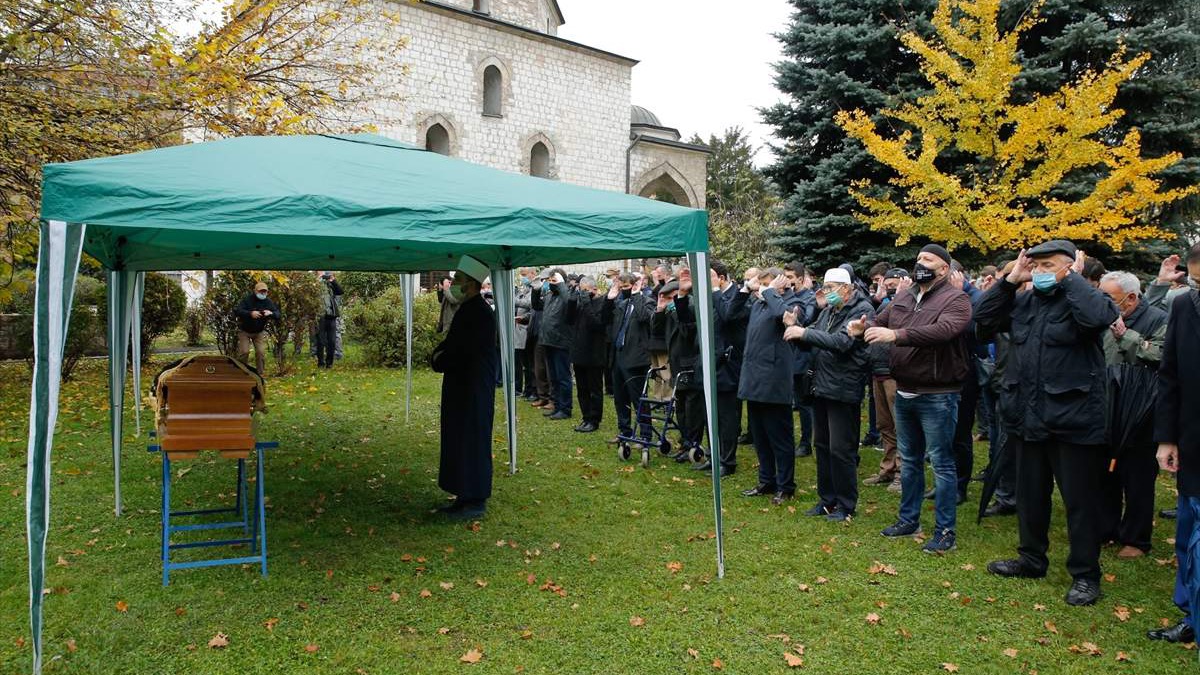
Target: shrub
<point>378,326</point>
<point>86,331</point>
<point>163,308</point>
<point>360,287</point>
<point>298,295</point>
<point>193,324</point>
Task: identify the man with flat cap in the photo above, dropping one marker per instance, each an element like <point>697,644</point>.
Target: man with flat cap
<point>1057,366</point>
<point>467,358</point>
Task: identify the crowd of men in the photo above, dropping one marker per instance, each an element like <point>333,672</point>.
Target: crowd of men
<point>1034,352</point>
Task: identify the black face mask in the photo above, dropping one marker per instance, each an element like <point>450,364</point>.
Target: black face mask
<point>923,275</point>
<point>891,292</point>
<point>626,293</point>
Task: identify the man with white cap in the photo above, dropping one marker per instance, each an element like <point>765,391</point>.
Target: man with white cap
<point>925,324</point>
<point>840,365</point>
<point>467,357</point>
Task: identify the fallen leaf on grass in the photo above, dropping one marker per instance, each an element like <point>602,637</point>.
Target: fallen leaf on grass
<point>873,619</point>
<point>822,580</point>
<point>1122,613</point>
<point>526,634</point>
<point>72,648</point>
<point>425,593</point>
<point>122,606</point>
<point>446,585</point>
<point>674,566</point>
<point>792,660</point>
<point>62,562</point>
<point>482,583</point>
<point>394,597</point>
<point>1010,653</point>
<point>1122,656</point>
<point>1110,578</point>
<point>443,630</point>
<point>693,653</point>
<point>967,568</point>
<point>950,667</point>
<point>472,656</point>
<point>1051,627</point>
<point>637,621</point>
<point>804,588</point>
<point>270,624</point>
<point>219,641</point>
<point>718,664</point>
<point>1039,607</point>
<point>311,648</point>
<point>879,568</point>
<point>1088,648</point>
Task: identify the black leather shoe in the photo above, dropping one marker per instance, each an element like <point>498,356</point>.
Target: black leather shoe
<point>1180,632</point>
<point>781,497</point>
<point>818,510</point>
<point>470,511</point>
<point>706,466</point>
<point>586,428</point>
<point>998,509</point>
<point>453,507</point>
<point>1013,568</point>
<point>561,415</point>
<point>1169,514</point>
<point>760,490</point>
<point>1083,592</point>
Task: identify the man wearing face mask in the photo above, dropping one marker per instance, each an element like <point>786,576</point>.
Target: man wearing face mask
<point>585,315</point>
<point>524,333</point>
<point>327,317</point>
<point>884,385</point>
<point>1135,340</point>
<point>840,368</point>
<point>253,313</point>
<point>1058,366</point>
<point>555,337</point>
<point>925,324</point>
<point>628,312</point>
<point>467,358</point>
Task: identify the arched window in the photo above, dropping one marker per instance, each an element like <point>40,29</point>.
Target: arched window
<point>539,160</point>
<point>437,139</point>
<point>482,6</point>
<point>493,84</point>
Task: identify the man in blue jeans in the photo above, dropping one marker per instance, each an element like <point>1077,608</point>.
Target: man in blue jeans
<point>925,324</point>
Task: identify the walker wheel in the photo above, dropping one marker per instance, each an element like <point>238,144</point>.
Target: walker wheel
<point>697,454</point>
<point>665,447</point>
<point>623,452</point>
<point>645,458</point>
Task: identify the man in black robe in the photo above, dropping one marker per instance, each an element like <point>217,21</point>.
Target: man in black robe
<point>467,358</point>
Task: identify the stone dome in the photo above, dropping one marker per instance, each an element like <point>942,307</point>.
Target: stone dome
<point>639,116</point>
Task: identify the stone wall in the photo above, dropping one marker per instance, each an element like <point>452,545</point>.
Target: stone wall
<point>653,165</point>
<point>574,100</point>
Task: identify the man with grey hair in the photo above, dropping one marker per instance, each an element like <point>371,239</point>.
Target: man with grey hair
<point>1134,340</point>
<point>585,315</point>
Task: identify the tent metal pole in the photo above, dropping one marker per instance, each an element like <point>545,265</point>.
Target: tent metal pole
<point>408,283</point>
<point>702,284</point>
<point>135,336</point>
<point>502,289</point>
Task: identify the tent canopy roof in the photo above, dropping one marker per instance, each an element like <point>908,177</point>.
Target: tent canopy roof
<point>354,202</point>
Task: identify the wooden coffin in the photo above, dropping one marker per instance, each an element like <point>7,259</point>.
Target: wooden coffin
<point>207,404</point>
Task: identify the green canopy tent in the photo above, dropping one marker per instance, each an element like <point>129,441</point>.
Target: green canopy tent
<point>356,202</point>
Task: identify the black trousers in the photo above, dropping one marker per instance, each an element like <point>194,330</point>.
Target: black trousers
<point>589,381</point>
<point>964,431</point>
<point>627,389</point>
<point>1131,486</point>
<point>524,370</point>
<point>690,414</point>
<point>729,421</point>
<point>774,442</point>
<point>1078,470</point>
<point>326,340</point>
<point>835,445</point>
<point>1009,442</point>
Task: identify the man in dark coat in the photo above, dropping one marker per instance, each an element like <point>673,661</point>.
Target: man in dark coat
<point>766,386</point>
<point>467,358</point>
<point>1177,430</point>
<point>806,302</point>
<point>253,313</point>
<point>327,317</point>
<point>840,368</point>
<point>555,338</point>
<point>1058,367</point>
<point>588,351</point>
<point>1133,341</point>
<point>674,322</point>
<point>628,311</point>
<point>730,314</point>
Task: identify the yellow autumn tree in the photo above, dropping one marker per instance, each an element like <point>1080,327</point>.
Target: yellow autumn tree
<point>89,78</point>
<point>1018,154</point>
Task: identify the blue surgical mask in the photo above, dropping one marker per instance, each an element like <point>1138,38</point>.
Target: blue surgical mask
<point>261,296</point>
<point>1045,281</point>
<point>524,281</point>
<point>833,299</point>
<point>545,286</point>
<point>671,306</point>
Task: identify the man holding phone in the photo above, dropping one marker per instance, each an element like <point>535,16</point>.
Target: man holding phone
<point>253,313</point>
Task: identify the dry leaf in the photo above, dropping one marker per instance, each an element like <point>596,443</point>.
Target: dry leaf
<point>879,568</point>
<point>1010,653</point>
<point>407,557</point>
<point>1122,613</point>
<point>792,660</point>
<point>526,634</point>
<point>179,611</point>
<point>72,648</point>
<point>637,621</point>
<point>1051,627</point>
<point>482,583</point>
<point>425,593</point>
<point>950,667</point>
<point>472,656</point>
<point>62,562</point>
<point>674,566</point>
<point>822,580</point>
<point>1122,656</point>
<point>804,588</point>
<point>446,585</point>
<point>269,624</point>
<point>219,641</point>
<point>967,568</point>
<point>1110,578</point>
<point>693,653</point>
<point>443,630</point>
<point>717,664</point>
<point>1039,607</point>
<point>311,648</point>
<point>394,597</point>
<point>873,619</point>
<point>531,579</point>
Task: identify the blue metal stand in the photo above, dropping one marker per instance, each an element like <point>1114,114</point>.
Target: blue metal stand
<point>254,525</point>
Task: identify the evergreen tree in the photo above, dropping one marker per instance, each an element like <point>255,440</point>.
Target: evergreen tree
<point>842,56</point>
<point>742,205</point>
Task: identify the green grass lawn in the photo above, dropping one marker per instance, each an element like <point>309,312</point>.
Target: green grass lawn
<point>364,579</point>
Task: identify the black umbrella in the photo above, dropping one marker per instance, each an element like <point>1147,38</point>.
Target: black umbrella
<point>1131,393</point>
<point>995,469</point>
